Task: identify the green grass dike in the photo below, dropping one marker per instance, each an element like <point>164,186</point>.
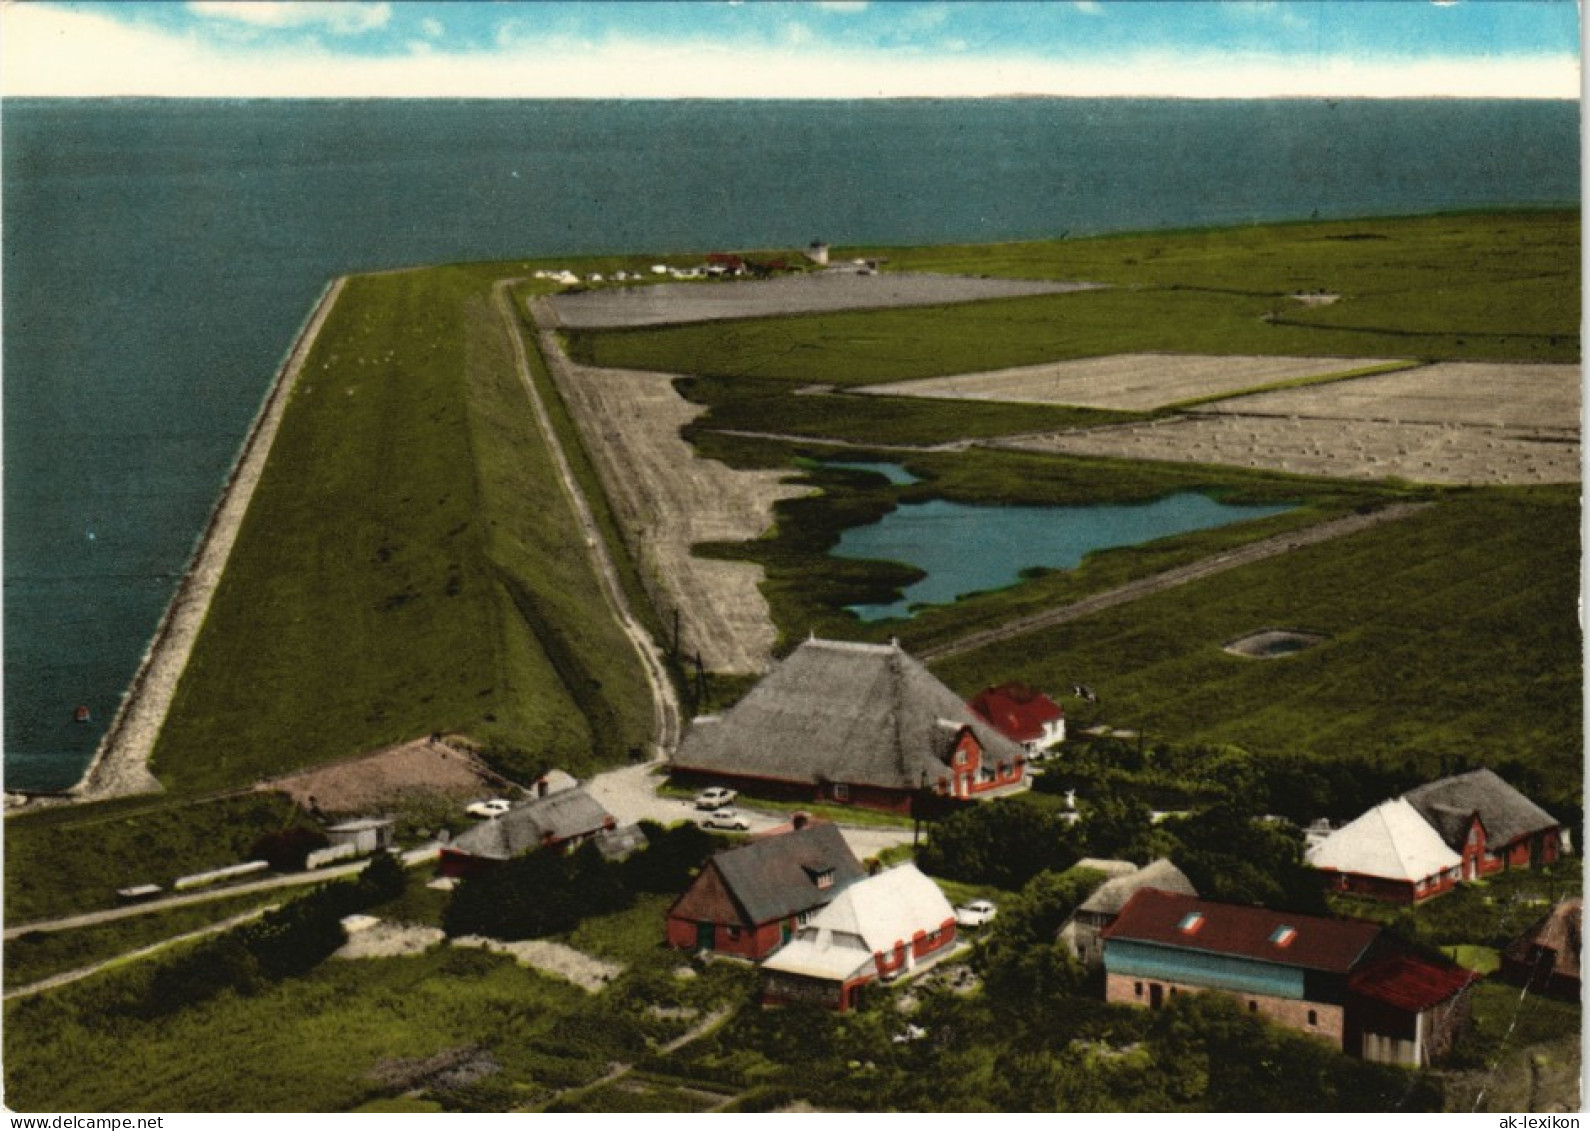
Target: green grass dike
<point>408,564</point>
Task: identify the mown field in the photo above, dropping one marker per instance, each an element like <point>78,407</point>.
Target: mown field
<point>408,564</point>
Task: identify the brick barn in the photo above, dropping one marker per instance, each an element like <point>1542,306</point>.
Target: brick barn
<point>750,900</point>
<point>856,724</point>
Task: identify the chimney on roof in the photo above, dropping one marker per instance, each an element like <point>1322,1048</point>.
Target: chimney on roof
<point>800,821</point>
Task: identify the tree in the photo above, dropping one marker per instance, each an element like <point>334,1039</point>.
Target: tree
<point>1000,843</point>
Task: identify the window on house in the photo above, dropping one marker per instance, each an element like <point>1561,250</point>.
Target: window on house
<point>1313,1017</point>
<point>1137,988</point>
<point>1253,1007</point>
<point>734,934</point>
<point>841,792</point>
<point>1191,923</point>
<point>1283,936</point>
<point>824,879</point>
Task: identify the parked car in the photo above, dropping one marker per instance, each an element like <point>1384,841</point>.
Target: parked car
<point>977,913</point>
<point>715,798</point>
<point>726,819</point>
<point>491,807</point>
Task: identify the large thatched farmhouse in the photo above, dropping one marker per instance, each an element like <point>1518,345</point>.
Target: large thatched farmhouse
<point>857,724</point>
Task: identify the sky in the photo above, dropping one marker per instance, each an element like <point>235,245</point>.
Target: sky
<point>813,49</point>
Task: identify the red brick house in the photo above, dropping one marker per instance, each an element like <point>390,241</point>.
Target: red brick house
<point>1023,715</point>
<point>1488,822</point>
<point>878,929</point>
<point>1436,836</point>
<point>1341,980</point>
<point>856,724</point>
<point>750,900</point>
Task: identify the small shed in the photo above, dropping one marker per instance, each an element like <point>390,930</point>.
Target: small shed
<point>365,834</point>
<point>1546,957</point>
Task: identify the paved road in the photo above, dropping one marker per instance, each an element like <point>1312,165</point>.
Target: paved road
<point>1182,575</point>
<point>665,703</point>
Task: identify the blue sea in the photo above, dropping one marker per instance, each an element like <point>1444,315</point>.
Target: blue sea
<point>160,255</point>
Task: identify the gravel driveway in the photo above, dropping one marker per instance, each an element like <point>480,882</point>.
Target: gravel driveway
<point>630,794</point>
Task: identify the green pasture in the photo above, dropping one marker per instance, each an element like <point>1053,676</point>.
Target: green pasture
<point>1469,287</point>
<point>70,859</point>
<point>1454,643</point>
<point>408,564</point>
<point>33,957</point>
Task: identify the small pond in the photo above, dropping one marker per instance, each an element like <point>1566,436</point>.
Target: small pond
<point>967,548</point>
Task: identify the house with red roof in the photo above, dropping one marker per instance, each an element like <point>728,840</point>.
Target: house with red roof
<point>1341,980</point>
<point>1023,714</point>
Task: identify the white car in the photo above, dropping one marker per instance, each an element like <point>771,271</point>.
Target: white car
<point>715,798</point>
<point>491,807</point>
<point>977,913</point>
<point>726,819</point>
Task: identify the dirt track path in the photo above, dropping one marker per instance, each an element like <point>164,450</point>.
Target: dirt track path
<point>665,704</point>
<point>69,976</point>
<point>1182,575</point>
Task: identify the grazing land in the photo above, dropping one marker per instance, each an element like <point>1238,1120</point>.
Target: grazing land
<point>404,567</point>
<point>1131,382</point>
<point>817,292</point>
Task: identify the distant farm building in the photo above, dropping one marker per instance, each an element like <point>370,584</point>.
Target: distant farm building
<point>1341,980</point>
<point>857,724</point>
<point>1436,836</point>
<point>878,929</point>
<point>749,901</point>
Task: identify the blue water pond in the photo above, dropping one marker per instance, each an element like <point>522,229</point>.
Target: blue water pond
<point>966,548</point>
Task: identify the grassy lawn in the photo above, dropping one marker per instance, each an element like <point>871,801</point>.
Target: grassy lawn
<point>33,957</point>
<point>1453,644</point>
<point>74,858</point>
<point>406,565</point>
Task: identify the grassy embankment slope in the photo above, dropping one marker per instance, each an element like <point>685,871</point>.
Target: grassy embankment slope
<point>1454,635</point>
<point>408,564</point>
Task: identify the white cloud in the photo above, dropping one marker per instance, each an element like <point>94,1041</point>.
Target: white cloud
<point>48,51</point>
<point>342,18</point>
<point>432,27</point>
<point>849,7</point>
<point>1089,7</point>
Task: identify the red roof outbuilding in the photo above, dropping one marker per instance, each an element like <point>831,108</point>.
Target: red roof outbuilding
<point>1017,711</point>
<point>1409,982</point>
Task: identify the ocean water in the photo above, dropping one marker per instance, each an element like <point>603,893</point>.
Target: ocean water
<point>160,255</point>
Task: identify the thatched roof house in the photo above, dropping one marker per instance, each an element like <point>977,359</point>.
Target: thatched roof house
<point>1546,957</point>
<point>860,724</point>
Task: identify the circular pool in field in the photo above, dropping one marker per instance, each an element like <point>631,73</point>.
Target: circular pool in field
<point>1274,643</point>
